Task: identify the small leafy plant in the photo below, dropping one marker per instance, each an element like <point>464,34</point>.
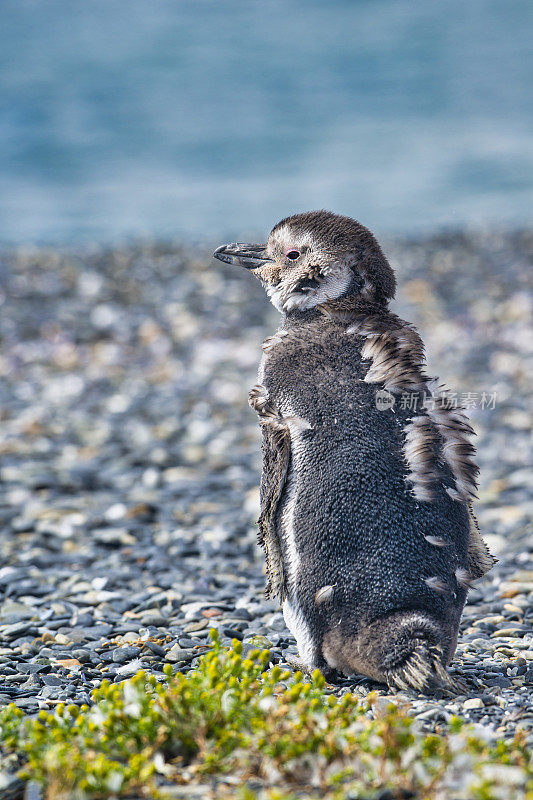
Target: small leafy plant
<point>240,729</point>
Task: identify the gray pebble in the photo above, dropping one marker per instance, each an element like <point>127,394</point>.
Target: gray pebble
<point>52,680</point>
<point>123,654</point>
<point>126,670</point>
<point>156,648</point>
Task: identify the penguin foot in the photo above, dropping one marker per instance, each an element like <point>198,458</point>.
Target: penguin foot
<point>330,675</point>
<point>297,664</point>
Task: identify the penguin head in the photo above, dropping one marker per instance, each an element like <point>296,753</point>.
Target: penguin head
<point>314,257</point>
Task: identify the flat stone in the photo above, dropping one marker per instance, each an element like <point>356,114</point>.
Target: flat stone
<point>15,629</point>
<point>29,703</point>
<point>83,656</point>
<point>127,670</point>
<point>193,627</point>
<point>187,643</point>
<point>502,682</point>
<point>473,702</point>
<point>155,648</point>
<point>123,654</point>
<point>52,680</point>
<point>156,620</point>
<point>514,632</point>
<point>32,668</point>
<point>178,653</point>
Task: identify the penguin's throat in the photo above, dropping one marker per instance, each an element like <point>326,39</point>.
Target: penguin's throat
<point>310,292</point>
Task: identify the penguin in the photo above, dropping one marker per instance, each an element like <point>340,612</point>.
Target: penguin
<point>369,472</point>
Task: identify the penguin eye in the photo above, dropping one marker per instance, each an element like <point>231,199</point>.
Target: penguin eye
<point>292,255</point>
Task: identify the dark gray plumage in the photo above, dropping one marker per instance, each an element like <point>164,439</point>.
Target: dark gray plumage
<point>366,512</point>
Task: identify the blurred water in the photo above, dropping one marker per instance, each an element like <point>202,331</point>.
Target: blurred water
<point>200,118</point>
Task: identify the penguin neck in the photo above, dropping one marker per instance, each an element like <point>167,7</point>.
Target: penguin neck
<point>347,305</point>
<point>298,317</point>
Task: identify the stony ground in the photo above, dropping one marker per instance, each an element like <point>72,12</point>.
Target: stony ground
<point>130,463</point>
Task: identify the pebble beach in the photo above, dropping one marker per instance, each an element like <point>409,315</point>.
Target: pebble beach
<point>130,462</point>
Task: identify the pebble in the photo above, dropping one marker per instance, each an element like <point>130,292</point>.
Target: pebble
<point>473,702</point>
<point>113,536</point>
<point>123,654</point>
<point>528,676</point>
<point>130,669</point>
<point>156,648</point>
<point>52,680</point>
<point>177,653</point>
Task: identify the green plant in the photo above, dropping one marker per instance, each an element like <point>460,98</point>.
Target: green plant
<point>269,734</point>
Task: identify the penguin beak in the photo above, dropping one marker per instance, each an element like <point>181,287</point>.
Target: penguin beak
<point>249,256</point>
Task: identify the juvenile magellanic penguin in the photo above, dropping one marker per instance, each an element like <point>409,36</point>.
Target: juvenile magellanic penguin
<point>368,470</point>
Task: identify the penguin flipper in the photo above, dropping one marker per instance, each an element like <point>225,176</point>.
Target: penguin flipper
<point>276,461</point>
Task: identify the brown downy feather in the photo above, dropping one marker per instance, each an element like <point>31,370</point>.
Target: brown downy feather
<point>480,560</point>
<point>422,669</point>
<point>421,443</point>
<point>276,459</point>
<point>459,452</point>
<point>406,650</point>
<point>396,354</point>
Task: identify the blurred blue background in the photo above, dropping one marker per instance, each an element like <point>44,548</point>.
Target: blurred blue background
<point>197,119</point>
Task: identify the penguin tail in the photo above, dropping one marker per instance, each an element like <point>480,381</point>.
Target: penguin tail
<point>416,664</point>
<point>405,650</point>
